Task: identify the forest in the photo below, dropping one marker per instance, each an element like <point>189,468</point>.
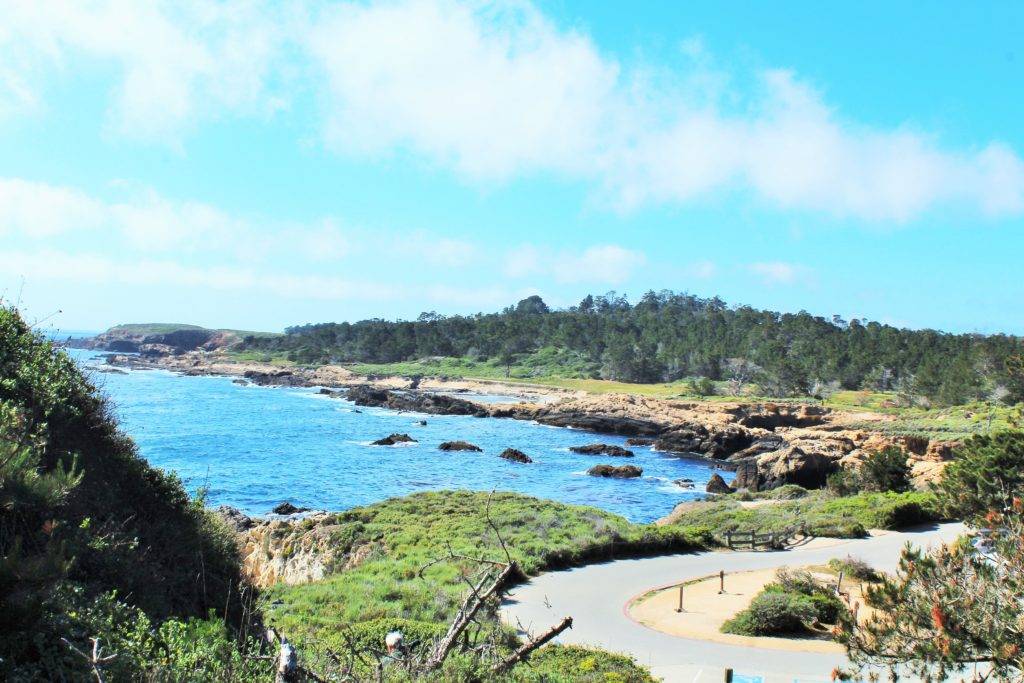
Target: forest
<point>667,336</point>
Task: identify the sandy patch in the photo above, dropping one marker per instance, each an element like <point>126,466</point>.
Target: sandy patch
<point>706,610</point>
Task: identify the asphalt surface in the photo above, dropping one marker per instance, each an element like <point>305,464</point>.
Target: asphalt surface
<point>596,595</point>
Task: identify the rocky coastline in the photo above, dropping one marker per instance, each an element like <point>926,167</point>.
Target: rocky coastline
<point>766,444</point>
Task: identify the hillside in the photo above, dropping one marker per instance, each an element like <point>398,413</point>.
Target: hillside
<point>164,338</point>
<point>94,542</point>
<point>666,337</point>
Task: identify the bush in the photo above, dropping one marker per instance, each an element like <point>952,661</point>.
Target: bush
<point>854,568</point>
<point>774,614</point>
<point>886,470</point>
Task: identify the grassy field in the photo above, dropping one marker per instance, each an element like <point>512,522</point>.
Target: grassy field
<point>406,534</point>
<point>822,512</point>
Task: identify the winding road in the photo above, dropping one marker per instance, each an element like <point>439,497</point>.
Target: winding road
<point>596,595</point>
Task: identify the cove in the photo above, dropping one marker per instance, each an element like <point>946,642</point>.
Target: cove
<point>253,447</point>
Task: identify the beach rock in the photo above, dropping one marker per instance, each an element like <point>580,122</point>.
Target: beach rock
<point>235,518</point>
<point>422,423</point>
<point>717,485</point>
<point>639,441</point>
<point>602,449</point>
<point>394,439</point>
<point>515,455</point>
<point>329,392</point>
<point>272,378</point>
<point>414,401</point>
<point>287,508</point>
<point>684,483</point>
<point>747,476</point>
<point>622,472</point>
<point>239,381</point>
<point>605,424</point>
<point>459,446</point>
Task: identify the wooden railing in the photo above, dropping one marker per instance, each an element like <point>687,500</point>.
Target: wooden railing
<point>770,539</point>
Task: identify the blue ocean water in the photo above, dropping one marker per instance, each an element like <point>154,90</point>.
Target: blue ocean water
<point>254,447</point>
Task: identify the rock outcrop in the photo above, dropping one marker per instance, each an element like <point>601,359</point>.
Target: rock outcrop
<point>394,440</point>
<point>621,472</point>
<point>717,485</point>
<point>414,401</point>
<point>602,449</point>
<point>286,508</point>
<point>515,455</point>
<point>459,446</point>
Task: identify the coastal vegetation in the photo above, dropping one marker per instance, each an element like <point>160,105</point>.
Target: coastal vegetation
<point>793,605</point>
<point>398,540</point>
<point>667,337</point>
<point>822,513</point>
<point>95,543</point>
<point>956,607</point>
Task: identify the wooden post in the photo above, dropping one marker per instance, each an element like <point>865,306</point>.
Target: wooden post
<point>728,676</point>
<point>680,608</point>
<point>839,583</point>
<point>721,582</point>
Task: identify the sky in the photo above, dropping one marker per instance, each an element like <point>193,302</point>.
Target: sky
<point>252,164</point>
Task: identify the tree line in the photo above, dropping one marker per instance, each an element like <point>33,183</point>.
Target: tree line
<point>666,336</point>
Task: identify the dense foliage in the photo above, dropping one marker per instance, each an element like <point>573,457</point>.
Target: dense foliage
<point>986,476</point>
<point>93,541</point>
<point>667,336</point>
<point>881,471</point>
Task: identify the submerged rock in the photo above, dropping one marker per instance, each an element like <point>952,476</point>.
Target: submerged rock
<point>639,441</point>
<point>684,483</point>
<point>622,472</point>
<point>515,455</point>
<point>287,508</point>
<point>602,449</point>
<point>717,485</point>
<point>394,439</point>
<point>459,446</point>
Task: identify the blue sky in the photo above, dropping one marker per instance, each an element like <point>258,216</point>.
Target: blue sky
<point>254,165</point>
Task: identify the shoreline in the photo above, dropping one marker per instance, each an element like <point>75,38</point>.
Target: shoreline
<point>768,444</point>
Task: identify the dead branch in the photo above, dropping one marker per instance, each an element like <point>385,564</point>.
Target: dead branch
<point>466,615</point>
<point>528,647</point>
<point>97,660</point>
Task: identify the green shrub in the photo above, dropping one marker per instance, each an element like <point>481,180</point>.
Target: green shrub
<point>82,516</point>
<point>571,664</point>
<point>886,470</point>
<point>774,614</point>
<point>854,568</point>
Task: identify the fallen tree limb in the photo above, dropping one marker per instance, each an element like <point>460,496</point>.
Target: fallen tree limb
<point>528,647</point>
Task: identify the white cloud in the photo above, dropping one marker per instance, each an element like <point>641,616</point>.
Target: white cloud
<point>603,263</point>
<point>496,90</point>
<point>176,60</point>
<point>147,222</point>
<point>702,269</point>
<point>776,272</point>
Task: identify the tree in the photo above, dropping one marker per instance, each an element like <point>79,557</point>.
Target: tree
<point>986,475</point>
<point>886,470</point>
<point>959,605</point>
<point>532,305</point>
<point>945,611</point>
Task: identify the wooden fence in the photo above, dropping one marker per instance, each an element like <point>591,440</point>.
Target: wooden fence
<point>771,539</point>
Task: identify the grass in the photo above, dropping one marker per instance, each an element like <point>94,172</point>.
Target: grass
<point>408,533</point>
<point>823,513</point>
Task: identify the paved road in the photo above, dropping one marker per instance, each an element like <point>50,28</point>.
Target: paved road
<point>595,596</point>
